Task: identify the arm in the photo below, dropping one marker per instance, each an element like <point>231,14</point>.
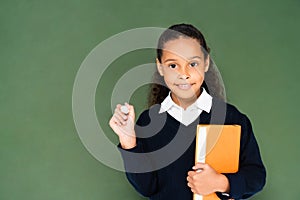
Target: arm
<point>251,176</point>
<point>132,151</point>
<point>247,181</point>
<point>144,182</point>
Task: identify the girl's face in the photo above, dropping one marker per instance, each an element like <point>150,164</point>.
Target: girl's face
<point>183,67</point>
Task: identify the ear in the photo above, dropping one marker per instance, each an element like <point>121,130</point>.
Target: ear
<point>207,63</point>
<point>159,67</point>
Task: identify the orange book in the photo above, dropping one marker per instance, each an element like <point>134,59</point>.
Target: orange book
<point>218,146</point>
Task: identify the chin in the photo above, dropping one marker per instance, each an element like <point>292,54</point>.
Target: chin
<point>187,96</point>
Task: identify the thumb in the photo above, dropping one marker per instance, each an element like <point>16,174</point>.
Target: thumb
<point>131,110</point>
<point>199,165</point>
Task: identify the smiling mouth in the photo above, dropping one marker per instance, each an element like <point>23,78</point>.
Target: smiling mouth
<point>186,86</point>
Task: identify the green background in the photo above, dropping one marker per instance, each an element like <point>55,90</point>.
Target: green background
<point>43,43</point>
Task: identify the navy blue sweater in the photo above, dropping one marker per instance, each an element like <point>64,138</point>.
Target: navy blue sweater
<point>157,167</point>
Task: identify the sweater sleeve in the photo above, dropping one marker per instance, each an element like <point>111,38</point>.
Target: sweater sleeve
<point>251,176</point>
<point>144,182</point>
<point>138,165</point>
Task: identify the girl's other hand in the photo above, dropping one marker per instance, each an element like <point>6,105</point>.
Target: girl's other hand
<point>123,125</point>
<point>205,180</point>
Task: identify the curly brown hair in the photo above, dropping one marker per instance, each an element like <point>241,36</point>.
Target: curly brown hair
<point>213,83</point>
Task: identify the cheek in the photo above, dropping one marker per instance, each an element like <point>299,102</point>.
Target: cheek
<point>170,76</point>
<point>169,81</point>
<point>199,74</point>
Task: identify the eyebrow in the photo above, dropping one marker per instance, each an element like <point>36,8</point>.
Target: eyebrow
<point>191,58</point>
<point>168,60</point>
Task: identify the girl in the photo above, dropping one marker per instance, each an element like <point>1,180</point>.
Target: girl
<point>158,151</point>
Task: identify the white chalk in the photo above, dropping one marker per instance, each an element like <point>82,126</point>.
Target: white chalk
<point>124,109</point>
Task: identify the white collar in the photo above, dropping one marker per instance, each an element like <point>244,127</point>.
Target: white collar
<point>204,102</point>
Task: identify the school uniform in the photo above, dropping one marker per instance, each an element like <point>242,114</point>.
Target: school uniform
<point>157,166</point>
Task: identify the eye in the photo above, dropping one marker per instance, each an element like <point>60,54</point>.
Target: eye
<point>172,66</point>
<point>193,64</point>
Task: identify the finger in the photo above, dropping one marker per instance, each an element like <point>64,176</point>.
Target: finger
<point>191,173</point>
<point>120,114</point>
<point>189,179</point>
<point>117,120</point>
<point>112,122</point>
<point>200,166</point>
<point>131,110</point>
<point>119,109</point>
<point>190,185</point>
<point>127,105</point>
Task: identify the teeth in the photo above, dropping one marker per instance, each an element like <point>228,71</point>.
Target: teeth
<point>184,86</point>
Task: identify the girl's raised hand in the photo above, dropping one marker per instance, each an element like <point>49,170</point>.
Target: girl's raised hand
<point>123,123</point>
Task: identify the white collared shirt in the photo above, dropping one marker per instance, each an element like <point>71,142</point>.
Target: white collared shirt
<point>186,117</point>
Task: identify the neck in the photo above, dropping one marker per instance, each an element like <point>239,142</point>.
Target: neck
<point>184,103</point>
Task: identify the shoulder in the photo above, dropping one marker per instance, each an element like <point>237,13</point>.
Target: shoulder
<point>231,114</point>
<point>148,114</point>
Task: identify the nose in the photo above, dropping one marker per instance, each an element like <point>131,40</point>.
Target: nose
<point>184,73</point>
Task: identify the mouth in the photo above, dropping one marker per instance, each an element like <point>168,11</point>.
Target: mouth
<point>185,86</point>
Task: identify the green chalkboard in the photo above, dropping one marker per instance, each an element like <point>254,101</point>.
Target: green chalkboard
<point>255,45</point>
